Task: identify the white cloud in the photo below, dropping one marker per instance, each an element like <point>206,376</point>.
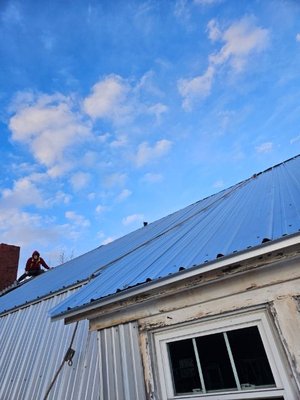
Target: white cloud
<point>100,209</point>
<point>24,167</point>
<point>57,198</point>
<point>264,147</point>
<point>196,87</point>
<point>152,178</point>
<point>80,180</point>
<point>77,219</point>
<point>295,139</point>
<point>100,235</point>
<point>121,141</point>
<point>104,137</point>
<point>27,228</point>
<point>49,126</point>
<point>23,193</point>
<point>62,197</point>
<point>219,184</point>
<point>123,195</point>
<point>131,219</point>
<point>147,84</point>
<point>118,100</point>
<point>109,239</point>
<point>146,153</point>
<point>53,126</point>
<point>182,11</point>
<point>298,37</point>
<point>158,109</point>
<point>213,30</point>
<point>108,99</point>
<point>90,158</point>
<point>242,39</point>
<point>46,113</point>
<point>24,228</point>
<point>21,100</point>
<point>59,169</point>
<point>115,179</point>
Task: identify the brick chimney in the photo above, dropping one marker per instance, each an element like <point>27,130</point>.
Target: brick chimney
<point>9,260</point>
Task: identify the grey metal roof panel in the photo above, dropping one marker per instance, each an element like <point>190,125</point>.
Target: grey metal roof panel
<point>264,206</point>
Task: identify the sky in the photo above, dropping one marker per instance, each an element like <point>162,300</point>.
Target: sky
<point>113,113</point>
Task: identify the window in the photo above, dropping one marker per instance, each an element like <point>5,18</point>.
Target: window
<point>229,359</point>
<point>220,362</point>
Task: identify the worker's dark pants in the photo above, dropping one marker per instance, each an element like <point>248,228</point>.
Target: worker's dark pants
<point>34,272</point>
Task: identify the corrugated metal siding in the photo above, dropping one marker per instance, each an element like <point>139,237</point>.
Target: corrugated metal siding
<point>120,363</point>
<point>32,348</point>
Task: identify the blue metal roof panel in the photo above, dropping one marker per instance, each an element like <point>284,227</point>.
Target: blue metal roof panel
<point>267,206</point>
<point>264,206</point>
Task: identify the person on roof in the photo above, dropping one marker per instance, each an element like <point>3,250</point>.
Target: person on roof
<point>33,266</point>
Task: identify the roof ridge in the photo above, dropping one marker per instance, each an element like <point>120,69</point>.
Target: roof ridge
<point>276,165</point>
<point>255,175</point>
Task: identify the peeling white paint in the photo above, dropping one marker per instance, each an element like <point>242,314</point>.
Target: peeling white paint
<point>272,283</point>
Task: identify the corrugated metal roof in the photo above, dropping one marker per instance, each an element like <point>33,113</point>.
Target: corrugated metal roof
<point>266,205</point>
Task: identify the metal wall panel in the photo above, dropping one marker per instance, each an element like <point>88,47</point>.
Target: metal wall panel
<point>120,363</point>
<point>32,348</point>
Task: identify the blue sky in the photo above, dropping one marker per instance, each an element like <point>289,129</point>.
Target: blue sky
<point>117,112</point>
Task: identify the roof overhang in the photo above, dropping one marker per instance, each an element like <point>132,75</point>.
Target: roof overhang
<point>87,311</point>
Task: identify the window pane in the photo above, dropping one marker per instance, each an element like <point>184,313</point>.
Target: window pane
<point>250,358</point>
<point>215,363</point>
<point>184,367</point>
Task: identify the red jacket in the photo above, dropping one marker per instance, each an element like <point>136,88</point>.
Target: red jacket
<point>34,264</point>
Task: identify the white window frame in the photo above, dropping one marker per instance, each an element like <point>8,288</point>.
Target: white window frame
<point>161,338</point>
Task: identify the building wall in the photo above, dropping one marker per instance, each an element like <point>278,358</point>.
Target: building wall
<point>274,290</point>
<point>9,260</point>
<point>118,358</point>
<point>32,348</point>
<point>270,285</point>
<point>106,365</point>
